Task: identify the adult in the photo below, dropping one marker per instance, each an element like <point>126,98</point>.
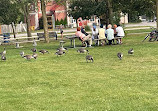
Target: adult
<point>83,30</point>
<point>83,37</point>
<point>94,33</point>
<point>61,30</point>
<point>120,33</point>
<point>110,34</point>
<point>115,33</point>
<point>102,33</point>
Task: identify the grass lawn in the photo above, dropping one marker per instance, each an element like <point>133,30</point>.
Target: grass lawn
<point>138,31</point>
<point>68,83</point>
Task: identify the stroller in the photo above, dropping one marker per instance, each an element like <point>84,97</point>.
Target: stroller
<point>153,35</point>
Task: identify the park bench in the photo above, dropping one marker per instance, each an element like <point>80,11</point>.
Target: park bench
<point>106,39</point>
<point>6,40</point>
<point>20,40</point>
<point>51,35</point>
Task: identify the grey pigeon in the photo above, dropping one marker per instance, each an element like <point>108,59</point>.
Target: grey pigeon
<point>4,52</point>
<point>43,51</point>
<point>22,53</point>
<point>82,50</point>
<point>120,55</point>
<point>60,53</point>
<point>131,51</point>
<point>34,43</point>
<point>89,57</point>
<point>3,58</point>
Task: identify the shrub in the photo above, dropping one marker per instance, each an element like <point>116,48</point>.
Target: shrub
<point>87,28</point>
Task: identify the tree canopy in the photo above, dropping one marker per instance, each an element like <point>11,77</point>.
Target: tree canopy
<point>87,8</point>
<point>9,12</point>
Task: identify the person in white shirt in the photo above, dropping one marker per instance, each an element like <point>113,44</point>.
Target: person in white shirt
<point>110,34</point>
<point>94,33</point>
<point>120,33</point>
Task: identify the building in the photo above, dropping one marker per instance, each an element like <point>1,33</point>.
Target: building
<point>53,10</point>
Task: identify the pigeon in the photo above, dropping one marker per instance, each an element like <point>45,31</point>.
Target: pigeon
<point>60,53</point>
<point>62,49</point>
<point>120,55</point>
<point>4,52</point>
<point>43,51</point>
<point>89,57</point>
<point>34,43</point>
<point>34,49</point>
<point>28,57</point>
<point>131,51</point>
<point>22,53</point>
<point>35,55</point>
<point>3,58</point>
<point>82,50</point>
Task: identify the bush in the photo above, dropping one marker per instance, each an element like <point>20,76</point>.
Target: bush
<point>87,28</point>
<point>57,22</point>
<point>63,22</point>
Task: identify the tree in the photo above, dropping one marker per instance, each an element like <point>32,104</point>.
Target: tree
<point>9,13</point>
<point>25,5</point>
<point>45,26</point>
<point>87,8</point>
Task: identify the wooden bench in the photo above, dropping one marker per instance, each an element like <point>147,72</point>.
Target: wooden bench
<point>27,41</point>
<point>6,40</point>
<point>51,35</point>
<point>106,39</point>
<point>20,40</point>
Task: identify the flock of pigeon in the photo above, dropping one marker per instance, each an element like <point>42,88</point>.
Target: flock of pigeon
<point>60,51</point>
<point>120,55</point>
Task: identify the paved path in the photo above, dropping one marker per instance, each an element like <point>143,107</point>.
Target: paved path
<point>151,24</point>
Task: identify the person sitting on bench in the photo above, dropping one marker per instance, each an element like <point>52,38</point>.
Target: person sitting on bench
<point>83,37</point>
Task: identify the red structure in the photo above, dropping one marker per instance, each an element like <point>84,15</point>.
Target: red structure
<point>52,9</point>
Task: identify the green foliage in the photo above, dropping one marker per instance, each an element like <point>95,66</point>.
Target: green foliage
<point>87,28</point>
<point>57,22</point>
<point>9,12</point>
<point>116,18</point>
<point>133,18</point>
<point>63,22</point>
<point>87,8</point>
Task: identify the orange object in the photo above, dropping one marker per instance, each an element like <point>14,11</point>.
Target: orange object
<point>115,26</point>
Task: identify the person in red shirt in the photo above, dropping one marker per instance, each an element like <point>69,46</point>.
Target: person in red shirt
<point>83,37</point>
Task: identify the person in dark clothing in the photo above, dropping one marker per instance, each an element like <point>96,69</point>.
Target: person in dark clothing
<point>84,32</point>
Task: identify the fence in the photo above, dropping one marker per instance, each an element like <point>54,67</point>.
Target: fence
<point>18,28</point>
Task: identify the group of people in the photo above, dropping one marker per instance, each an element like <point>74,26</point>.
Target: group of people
<point>112,33</point>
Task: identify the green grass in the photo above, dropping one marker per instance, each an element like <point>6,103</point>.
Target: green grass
<point>68,83</point>
<point>137,27</point>
<point>138,30</point>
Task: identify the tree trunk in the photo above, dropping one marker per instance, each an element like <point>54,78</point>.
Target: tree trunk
<point>157,13</point>
<point>110,11</point>
<point>13,30</point>
<point>26,12</point>
<point>45,26</point>
<point>107,18</point>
